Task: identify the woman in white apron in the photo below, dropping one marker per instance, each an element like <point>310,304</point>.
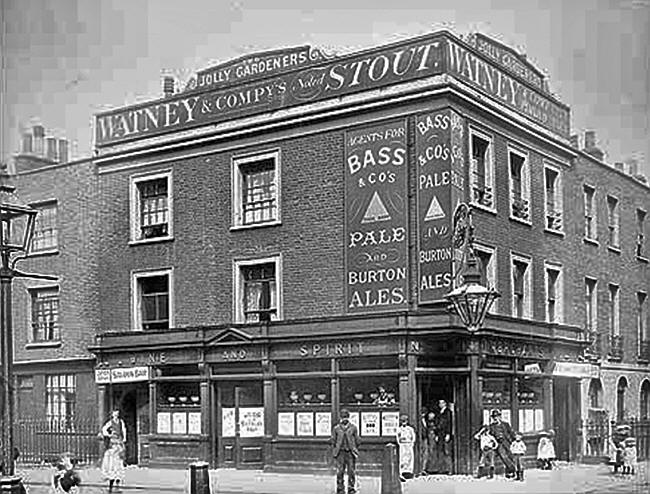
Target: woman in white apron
<point>406,443</point>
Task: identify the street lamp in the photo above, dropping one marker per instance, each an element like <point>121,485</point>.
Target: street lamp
<point>16,229</point>
<point>471,300</point>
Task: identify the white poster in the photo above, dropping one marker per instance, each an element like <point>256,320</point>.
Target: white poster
<point>305,422</point>
<point>486,416</point>
<point>354,419</point>
<point>227,422</point>
<point>251,422</point>
<point>164,420</point>
<point>286,424</point>
<point>323,423</point>
<point>389,423</point>
<point>539,419</point>
<point>505,416</point>
<point>194,423</point>
<point>529,420</point>
<point>370,423</point>
<point>179,423</point>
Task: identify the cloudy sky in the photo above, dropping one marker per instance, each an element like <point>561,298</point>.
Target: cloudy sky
<point>64,60</point>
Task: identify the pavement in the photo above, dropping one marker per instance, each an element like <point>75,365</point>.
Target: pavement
<point>565,478</point>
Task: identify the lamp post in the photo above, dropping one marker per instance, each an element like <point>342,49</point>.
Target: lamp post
<point>16,229</point>
<point>470,300</point>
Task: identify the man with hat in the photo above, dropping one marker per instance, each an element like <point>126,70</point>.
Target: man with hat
<point>504,435</point>
<point>345,449</point>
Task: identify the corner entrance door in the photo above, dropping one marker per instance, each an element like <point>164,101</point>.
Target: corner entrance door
<point>240,419</point>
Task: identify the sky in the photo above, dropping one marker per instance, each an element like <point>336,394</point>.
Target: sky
<point>65,60</point>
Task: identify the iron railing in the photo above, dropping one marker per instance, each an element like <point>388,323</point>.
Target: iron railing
<point>41,440</point>
<point>598,436</point>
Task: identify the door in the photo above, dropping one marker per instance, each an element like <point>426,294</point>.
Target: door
<point>129,415</point>
<point>566,416</point>
<point>240,421</point>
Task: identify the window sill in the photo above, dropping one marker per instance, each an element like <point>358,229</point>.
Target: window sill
<point>591,241</point>
<point>483,207</point>
<point>255,225</point>
<point>43,344</point>
<point>642,259</point>
<point>614,249</point>
<point>151,240</point>
<point>521,220</point>
<point>559,233</point>
<point>49,252</point>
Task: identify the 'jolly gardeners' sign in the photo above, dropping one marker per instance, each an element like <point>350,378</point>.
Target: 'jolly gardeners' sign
<point>439,167</point>
<point>376,217</point>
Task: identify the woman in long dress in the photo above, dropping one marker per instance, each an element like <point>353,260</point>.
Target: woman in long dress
<point>406,442</point>
<point>113,461</point>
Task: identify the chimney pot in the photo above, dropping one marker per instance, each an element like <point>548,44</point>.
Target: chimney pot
<point>168,86</point>
<point>633,167</point>
<point>620,166</point>
<point>575,141</point>
<point>27,143</point>
<point>590,139</point>
<point>63,150</point>
<point>39,139</point>
<point>52,153</point>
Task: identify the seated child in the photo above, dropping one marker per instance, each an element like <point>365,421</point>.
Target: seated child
<point>545,451</point>
<point>65,479</point>
<point>488,445</point>
<point>518,450</point>
<point>629,455</point>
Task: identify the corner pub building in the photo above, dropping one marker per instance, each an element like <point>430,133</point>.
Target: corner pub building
<point>277,240</point>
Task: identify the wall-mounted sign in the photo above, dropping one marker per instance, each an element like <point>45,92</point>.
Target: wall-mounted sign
<point>286,423</point>
<point>575,369</point>
<point>256,66</point>
<point>532,369</point>
<point>400,62</point>
<point>102,376</point>
<point>329,348</point>
<point>508,348</point>
<point>508,58</point>
<point>129,374</point>
<point>228,424</point>
<point>251,422</point>
<point>440,184</point>
<point>496,83</point>
<point>376,203</point>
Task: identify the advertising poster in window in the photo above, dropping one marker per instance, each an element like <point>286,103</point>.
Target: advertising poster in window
<point>286,424</point>
<point>164,421</point>
<point>376,202</point>
<point>370,423</point>
<point>251,422</point>
<point>179,423</point>
<point>194,423</point>
<point>539,419</point>
<point>354,419</point>
<point>305,422</point>
<point>227,422</point>
<point>389,423</point>
<point>440,183</point>
<point>323,423</point>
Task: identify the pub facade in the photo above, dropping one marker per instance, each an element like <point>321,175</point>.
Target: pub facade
<point>277,240</point>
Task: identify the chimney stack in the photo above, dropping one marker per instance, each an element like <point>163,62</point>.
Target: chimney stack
<point>63,150</point>
<point>575,141</point>
<point>633,166</point>
<point>168,86</point>
<point>620,166</point>
<point>590,145</point>
<point>27,143</point>
<point>39,138</point>
<point>51,148</point>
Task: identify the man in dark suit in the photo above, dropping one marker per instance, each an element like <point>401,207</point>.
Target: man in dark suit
<point>504,435</point>
<point>443,437</point>
<point>345,449</point>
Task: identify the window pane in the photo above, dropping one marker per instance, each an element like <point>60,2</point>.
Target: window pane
<point>154,208</point>
<point>259,192</point>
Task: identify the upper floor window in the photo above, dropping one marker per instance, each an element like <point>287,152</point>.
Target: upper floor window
<point>640,233</point>
<point>642,318</point>
<point>614,310</point>
<point>482,169</point>
<point>60,400</point>
<point>553,196</point>
<point>45,314</point>
<point>591,218</point>
<point>554,293</point>
<point>519,185</point>
<point>46,231</point>
<point>257,290</point>
<point>152,304</point>
<point>151,207</point>
<point>487,266</point>
<point>256,189</point>
<point>521,287</point>
<point>612,222</point>
<point>591,300</point>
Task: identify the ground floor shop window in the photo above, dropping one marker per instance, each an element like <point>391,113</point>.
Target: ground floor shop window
<point>304,407</point>
<point>179,408</point>
<point>496,395</point>
<point>531,405</point>
<point>373,403</point>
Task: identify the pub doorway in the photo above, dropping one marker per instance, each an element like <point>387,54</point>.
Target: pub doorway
<point>431,389</point>
<point>129,413</point>
<point>240,424</point>
<point>566,416</point>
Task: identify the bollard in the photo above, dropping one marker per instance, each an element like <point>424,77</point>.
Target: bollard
<point>199,478</point>
<point>390,483</point>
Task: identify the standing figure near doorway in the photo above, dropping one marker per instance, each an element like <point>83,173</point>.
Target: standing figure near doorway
<point>431,459</point>
<point>423,441</point>
<point>443,438</point>
<point>406,443</point>
<point>345,449</point>
<point>502,432</point>
<point>113,461</point>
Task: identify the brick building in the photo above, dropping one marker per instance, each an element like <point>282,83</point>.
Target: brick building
<point>55,321</point>
<point>274,243</point>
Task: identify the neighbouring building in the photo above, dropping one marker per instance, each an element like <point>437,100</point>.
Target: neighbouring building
<point>274,243</point>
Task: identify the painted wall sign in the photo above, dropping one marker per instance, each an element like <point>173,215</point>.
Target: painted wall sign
<point>376,245</point>
<point>440,183</point>
<point>494,82</point>
<point>502,347</point>
<point>368,70</point>
<point>235,353</point>
<point>254,66</point>
<point>576,369</point>
<point>102,376</point>
<point>508,58</point>
<point>328,349</point>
